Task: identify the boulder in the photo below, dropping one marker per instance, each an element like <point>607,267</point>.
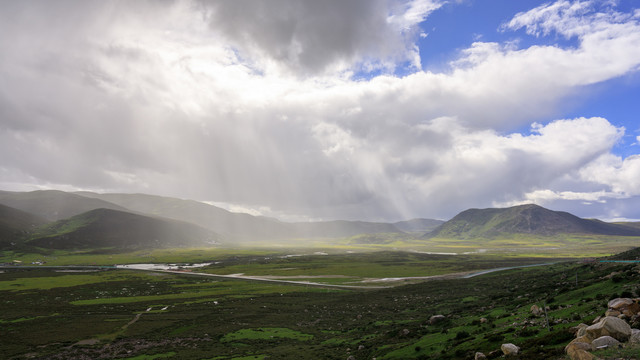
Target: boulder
<point>619,303</point>
<point>509,349</point>
<point>580,354</point>
<point>611,313</point>
<point>611,326</point>
<point>579,350</point>
<point>631,310</point>
<point>435,319</point>
<point>604,342</point>
<point>635,336</point>
<point>581,329</point>
<point>625,306</point>
<point>536,310</point>
<point>577,345</point>
<point>479,356</point>
<point>584,338</point>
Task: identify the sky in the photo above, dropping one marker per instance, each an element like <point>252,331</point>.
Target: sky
<point>378,110</point>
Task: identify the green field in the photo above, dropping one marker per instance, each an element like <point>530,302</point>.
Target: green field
<point>513,246</point>
<point>148,315</point>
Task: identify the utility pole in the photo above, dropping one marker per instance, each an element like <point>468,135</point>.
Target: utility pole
<point>546,317</point>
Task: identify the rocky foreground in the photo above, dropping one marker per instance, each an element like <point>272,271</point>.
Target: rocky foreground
<point>613,330</point>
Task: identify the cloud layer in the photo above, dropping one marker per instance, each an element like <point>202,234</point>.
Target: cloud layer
<point>258,106</point>
<point>311,37</point>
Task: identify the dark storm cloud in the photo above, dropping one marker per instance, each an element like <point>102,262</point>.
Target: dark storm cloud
<point>312,36</point>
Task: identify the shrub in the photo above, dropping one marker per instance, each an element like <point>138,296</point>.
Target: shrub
<point>529,332</point>
<point>626,294</point>
<point>617,278</point>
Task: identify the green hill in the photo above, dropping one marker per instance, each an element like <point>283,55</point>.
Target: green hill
<point>106,228</point>
<point>53,205</point>
<point>633,224</point>
<point>15,225</point>
<point>524,219</point>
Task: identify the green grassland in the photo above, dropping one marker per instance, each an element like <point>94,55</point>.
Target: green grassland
<point>62,227</point>
<point>361,266</point>
<point>516,245</point>
<point>265,334</point>
<point>111,257</point>
<point>564,245</point>
<point>146,315</point>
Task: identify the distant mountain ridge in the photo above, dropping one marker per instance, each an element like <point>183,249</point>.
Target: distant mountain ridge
<point>245,226</point>
<point>207,216</point>
<point>524,219</point>
<point>86,219</point>
<point>106,228</point>
<point>418,225</point>
<point>54,205</point>
<point>72,208</point>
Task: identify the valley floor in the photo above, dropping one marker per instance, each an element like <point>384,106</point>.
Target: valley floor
<point>50,314</point>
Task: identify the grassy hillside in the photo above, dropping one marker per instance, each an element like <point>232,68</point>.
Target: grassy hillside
<point>53,205</point>
<point>16,224</point>
<point>525,219</point>
<point>106,228</point>
<point>633,224</point>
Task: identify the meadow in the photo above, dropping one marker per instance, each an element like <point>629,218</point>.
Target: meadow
<point>49,314</point>
<point>524,246</point>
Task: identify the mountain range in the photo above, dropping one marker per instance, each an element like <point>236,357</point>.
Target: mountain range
<point>82,220</point>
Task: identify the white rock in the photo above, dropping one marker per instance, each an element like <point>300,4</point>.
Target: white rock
<point>611,326</point>
<point>509,349</point>
<point>635,336</point>
<point>618,303</point>
<point>604,342</point>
